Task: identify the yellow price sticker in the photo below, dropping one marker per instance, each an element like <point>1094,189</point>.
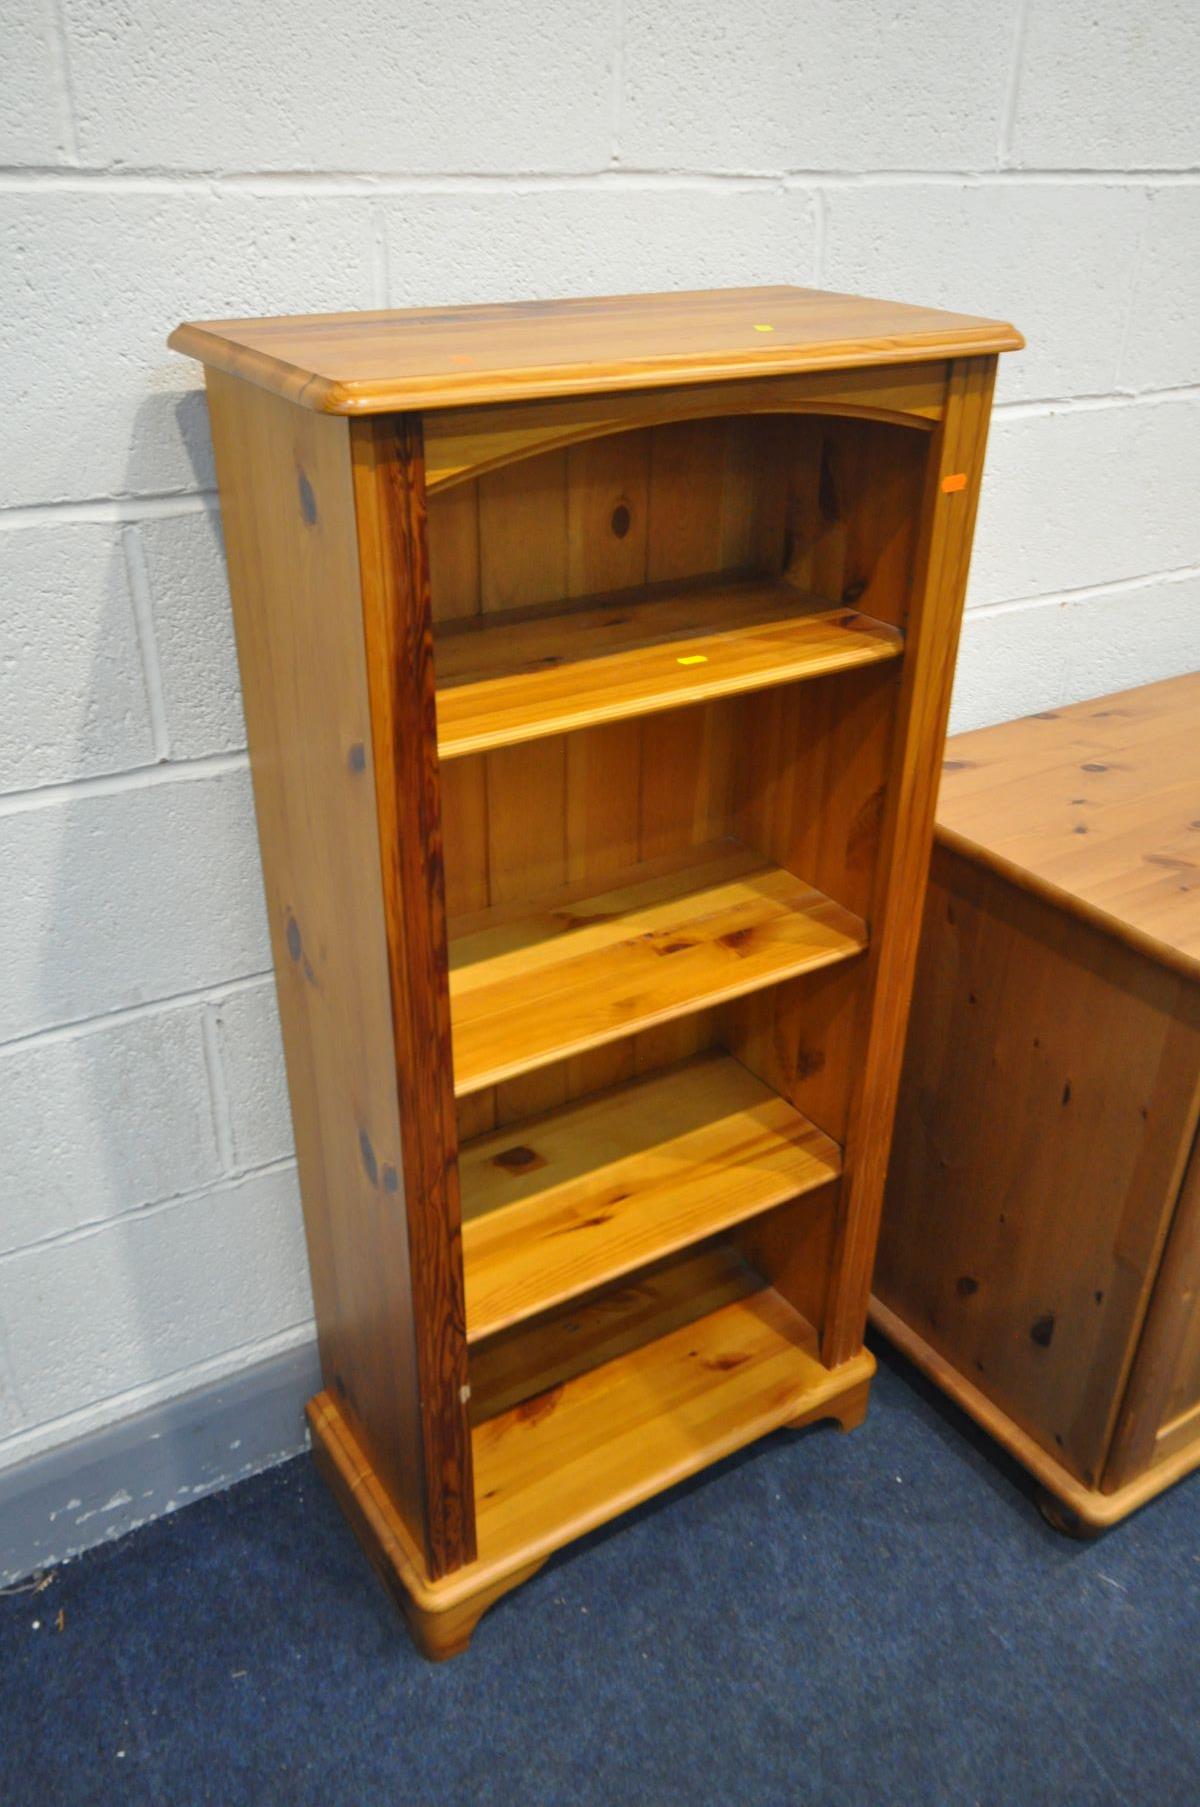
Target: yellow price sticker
<point>692,659</point>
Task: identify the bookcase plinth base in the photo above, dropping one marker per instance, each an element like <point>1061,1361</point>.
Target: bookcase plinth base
<point>442,1615</point>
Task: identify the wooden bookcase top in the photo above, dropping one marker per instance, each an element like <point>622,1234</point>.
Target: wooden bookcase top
<point>1097,805</point>
<point>422,358</point>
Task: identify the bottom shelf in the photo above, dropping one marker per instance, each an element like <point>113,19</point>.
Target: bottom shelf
<point>633,1392</point>
<point>717,1359</point>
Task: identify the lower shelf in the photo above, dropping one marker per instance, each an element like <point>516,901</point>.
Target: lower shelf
<point>588,1447</point>
<point>561,1204</point>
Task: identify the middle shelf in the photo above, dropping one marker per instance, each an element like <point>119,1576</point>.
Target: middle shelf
<point>528,986</point>
<point>564,1203</point>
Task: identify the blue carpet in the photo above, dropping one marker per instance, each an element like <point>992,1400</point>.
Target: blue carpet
<point>874,1618</point>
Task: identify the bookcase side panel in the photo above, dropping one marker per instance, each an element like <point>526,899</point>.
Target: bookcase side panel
<point>289,525</point>
<point>389,486</point>
<point>949,504</point>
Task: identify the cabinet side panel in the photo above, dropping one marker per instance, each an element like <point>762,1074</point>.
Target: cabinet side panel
<point>288,512</point>
<point>1033,1171</point>
<point>389,489</point>
<point>951,497</point>
<point>1160,1414</point>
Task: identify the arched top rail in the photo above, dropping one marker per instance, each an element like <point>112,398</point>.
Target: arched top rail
<point>462,443</point>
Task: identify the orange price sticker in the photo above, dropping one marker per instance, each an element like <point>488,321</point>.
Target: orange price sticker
<point>957,481</point>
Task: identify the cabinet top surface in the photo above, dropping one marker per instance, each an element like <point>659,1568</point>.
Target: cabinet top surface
<point>1100,801</point>
<point>370,363</point>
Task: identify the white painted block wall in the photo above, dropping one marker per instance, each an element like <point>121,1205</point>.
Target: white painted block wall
<point>1030,158</point>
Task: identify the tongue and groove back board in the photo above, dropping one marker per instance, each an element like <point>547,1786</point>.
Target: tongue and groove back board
<point>596,658</point>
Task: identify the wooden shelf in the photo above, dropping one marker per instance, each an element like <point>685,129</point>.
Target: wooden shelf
<point>561,1204</point>
<point>515,677</point>
<point>719,1359</point>
<point>528,987</point>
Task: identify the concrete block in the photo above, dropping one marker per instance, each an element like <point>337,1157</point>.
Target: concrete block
<point>1086,497</point>
<point>122,898</point>
<point>813,86</point>
<point>193,630</point>
<point>116,1116</point>
<point>96,405</point>
<point>72,692</point>
<point>255,1080</point>
<point>1017,661</point>
<point>1162,345</point>
<point>1054,260</point>
<point>515,85</point>
<point>600,241</point>
<point>32,110</point>
<point>1109,86</point>
<point>153,1294</point>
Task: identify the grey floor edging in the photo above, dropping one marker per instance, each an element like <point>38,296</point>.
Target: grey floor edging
<point>112,1480</point>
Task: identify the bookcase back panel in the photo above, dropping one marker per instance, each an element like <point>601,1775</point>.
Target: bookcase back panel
<point>853,511</point>
<point>685,499</point>
<point>812,763</point>
<point>633,1057</point>
<point>796,775</point>
<point>828,502</point>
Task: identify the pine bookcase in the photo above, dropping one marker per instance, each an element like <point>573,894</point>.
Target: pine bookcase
<point>596,658</point>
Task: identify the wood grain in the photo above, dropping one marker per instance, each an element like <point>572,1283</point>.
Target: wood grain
<point>545,1353</point>
<point>1159,1416</point>
<point>1096,806</point>
<point>620,792</point>
<point>1035,1168</point>
<point>1041,1237</point>
<point>291,543</point>
<point>1094,1510</point>
<point>660,1261</point>
<point>429,358</point>
<point>559,1205</point>
<point>563,1462</point>
<point>901,867</point>
<point>559,1464</point>
<point>527,987</point>
<point>636,654</point>
<point>390,501</point>
<point>462,443</point>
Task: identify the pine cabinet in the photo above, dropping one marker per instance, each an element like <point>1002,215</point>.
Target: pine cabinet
<point>1040,1252</point>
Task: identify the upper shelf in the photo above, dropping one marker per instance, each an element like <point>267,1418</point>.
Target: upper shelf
<point>502,679</point>
<point>376,363</point>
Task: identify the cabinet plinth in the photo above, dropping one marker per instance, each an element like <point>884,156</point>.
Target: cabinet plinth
<point>597,660</point>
